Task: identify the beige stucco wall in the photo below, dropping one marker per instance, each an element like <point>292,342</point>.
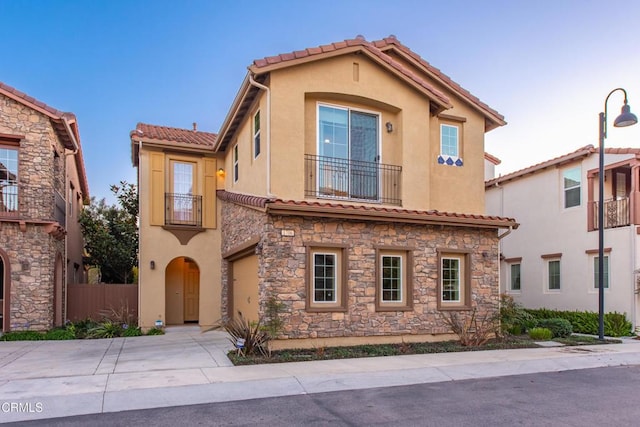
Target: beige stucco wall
<point>161,246</point>
<point>414,143</point>
<point>75,241</point>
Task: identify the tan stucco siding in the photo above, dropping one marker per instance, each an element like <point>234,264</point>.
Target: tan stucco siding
<point>161,247</point>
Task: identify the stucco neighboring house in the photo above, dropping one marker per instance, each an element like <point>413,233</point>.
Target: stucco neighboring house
<point>551,260</point>
<point>43,187</point>
<point>349,184</point>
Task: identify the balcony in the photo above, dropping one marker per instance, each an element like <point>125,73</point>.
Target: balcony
<point>26,203</point>
<point>183,209</point>
<point>616,213</point>
<point>342,179</point>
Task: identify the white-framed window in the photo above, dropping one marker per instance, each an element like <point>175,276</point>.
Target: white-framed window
<point>391,276</point>
<point>553,274</point>
<point>596,271</point>
<point>571,179</point>
<point>256,134</point>
<point>70,202</point>
<point>8,179</point>
<point>449,141</point>
<point>326,279</point>
<point>235,163</point>
<point>451,279</point>
<point>514,277</point>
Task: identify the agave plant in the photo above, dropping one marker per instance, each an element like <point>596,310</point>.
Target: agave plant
<point>249,337</point>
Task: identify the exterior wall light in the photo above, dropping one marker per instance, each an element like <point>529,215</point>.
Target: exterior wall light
<point>389,126</point>
<point>221,173</point>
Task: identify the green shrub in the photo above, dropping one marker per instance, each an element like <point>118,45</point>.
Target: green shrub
<point>22,336</point>
<point>155,331</point>
<point>132,332</point>
<point>514,319</point>
<point>560,328</point>
<point>540,334</point>
<point>106,329</point>
<point>586,322</point>
<point>59,334</point>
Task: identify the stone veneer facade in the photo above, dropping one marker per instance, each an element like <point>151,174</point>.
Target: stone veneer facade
<point>283,259</point>
<point>30,247</point>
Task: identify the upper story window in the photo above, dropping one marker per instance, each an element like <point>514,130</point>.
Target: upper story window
<point>70,201</point>
<point>256,135</point>
<point>348,153</point>
<point>235,163</point>
<point>571,182</point>
<point>9,179</point>
<point>449,141</point>
<point>184,206</point>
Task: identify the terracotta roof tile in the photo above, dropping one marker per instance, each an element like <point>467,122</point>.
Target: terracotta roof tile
<point>170,134</point>
<point>392,41</point>
<point>34,102</point>
<point>580,152</point>
<point>391,213</point>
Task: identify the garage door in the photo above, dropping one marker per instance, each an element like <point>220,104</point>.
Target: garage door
<point>245,287</point>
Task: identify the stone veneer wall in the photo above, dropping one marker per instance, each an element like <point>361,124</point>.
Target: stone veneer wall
<point>283,268</point>
<point>238,226</point>
<point>32,253</point>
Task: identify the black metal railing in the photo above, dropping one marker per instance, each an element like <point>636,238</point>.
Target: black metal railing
<point>31,203</point>
<point>616,213</point>
<point>183,209</point>
<point>334,178</point>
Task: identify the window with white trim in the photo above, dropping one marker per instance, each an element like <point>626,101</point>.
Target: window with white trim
<point>553,274</point>
<point>454,279</point>
<point>514,277</point>
<point>596,272</point>
<point>235,163</point>
<point>449,141</point>
<point>8,179</point>
<point>326,279</point>
<point>451,279</point>
<point>256,134</point>
<point>571,181</point>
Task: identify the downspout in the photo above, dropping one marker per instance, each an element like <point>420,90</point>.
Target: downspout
<point>66,220</point>
<point>268,119</point>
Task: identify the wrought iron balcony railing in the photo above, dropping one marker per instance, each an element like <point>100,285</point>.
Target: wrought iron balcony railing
<point>616,213</point>
<point>335,178</point>
<point>31,203</point>
<point>183,209</point>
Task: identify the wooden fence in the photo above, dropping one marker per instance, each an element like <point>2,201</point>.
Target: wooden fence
<point>84,301</point>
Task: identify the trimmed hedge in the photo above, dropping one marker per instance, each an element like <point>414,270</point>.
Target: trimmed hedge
<point>586,322</point>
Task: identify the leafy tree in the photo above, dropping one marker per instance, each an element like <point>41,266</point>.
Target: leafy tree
<point>111,234</point>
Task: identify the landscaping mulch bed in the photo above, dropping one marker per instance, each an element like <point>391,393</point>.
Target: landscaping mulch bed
<point>328,353</point>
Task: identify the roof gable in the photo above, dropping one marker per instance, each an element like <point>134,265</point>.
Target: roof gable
<point>64,123</point>
<point>375,51</point>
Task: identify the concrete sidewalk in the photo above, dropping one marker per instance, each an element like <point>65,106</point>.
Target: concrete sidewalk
<point>48,379</point>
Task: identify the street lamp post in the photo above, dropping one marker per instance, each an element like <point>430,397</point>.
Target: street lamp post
<point>626,118</point>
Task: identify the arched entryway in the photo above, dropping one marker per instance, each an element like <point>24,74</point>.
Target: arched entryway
<point>182,291</point>
<point>58,278</point>
<point>5,290</point>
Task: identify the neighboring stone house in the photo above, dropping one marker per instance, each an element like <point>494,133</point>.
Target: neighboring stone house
<point>43,187</point>
<point>349,184</point>
<point>551,261</point>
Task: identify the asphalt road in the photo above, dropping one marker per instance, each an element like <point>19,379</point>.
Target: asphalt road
<point>591,397</point>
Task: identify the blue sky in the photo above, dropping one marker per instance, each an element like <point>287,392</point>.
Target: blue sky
<point>546,65</point>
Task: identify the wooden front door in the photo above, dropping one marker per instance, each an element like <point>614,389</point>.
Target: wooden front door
<point>191,292</point>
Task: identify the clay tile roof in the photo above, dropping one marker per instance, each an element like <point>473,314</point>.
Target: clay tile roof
<point>492,159</point>
<point>374,212</point>
<point>560,160</point>
<point>169,134</point>
<point>392,41</point>
<point>367,46</point>
<point>34,103</point>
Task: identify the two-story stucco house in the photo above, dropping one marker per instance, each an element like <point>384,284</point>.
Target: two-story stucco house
<point>551,261</point>
<point>43,187</point>
<point>350,187</point>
